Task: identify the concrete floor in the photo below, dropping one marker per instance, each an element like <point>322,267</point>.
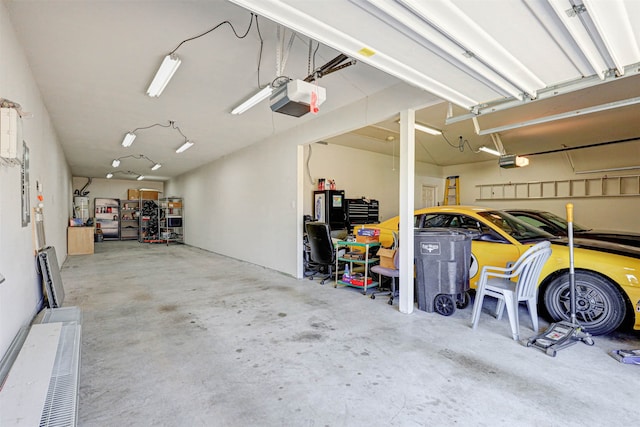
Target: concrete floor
<point>177,336</point>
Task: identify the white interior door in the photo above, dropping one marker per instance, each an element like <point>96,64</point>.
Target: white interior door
<point>428,196</point>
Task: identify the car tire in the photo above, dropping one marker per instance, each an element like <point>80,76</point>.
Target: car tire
<point>600,308</point>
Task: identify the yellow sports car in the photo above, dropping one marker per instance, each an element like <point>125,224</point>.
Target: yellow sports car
<point>607,275</point>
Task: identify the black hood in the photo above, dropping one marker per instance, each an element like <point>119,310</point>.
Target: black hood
<point>601,246</point>
<point>623,238</point>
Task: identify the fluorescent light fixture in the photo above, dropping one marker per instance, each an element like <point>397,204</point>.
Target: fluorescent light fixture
<point>187,144</point>
<point>255,99</point>
<point>109,175</point>
<point>168,67</point>
<point>156,167</point>
<point>490,151</point>
<point>128,139</point>
<point>140,177</point>
<point>115,163</point>
<point>427,129</point>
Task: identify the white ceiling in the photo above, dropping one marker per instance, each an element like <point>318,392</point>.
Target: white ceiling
<point>93,61</point>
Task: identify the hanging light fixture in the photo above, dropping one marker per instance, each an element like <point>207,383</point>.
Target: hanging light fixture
<point>130,136</point>
<point>128,139</point>
<point>155,165</point>
<point>167,69</point>
<point>136,174</point>
<point>490,151</point>
<point>184,147</point>
<point>427,129</point>
<point>254,100</point>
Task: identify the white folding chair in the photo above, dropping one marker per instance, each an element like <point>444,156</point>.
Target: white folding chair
<point>497,282</point>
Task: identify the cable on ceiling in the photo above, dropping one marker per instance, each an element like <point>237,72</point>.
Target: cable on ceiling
<point>461,143</point>
<point>215,28</point>
<point>253,16</point>
<point>171,124</point>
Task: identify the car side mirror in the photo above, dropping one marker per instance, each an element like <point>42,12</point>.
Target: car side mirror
<point>490,236</point>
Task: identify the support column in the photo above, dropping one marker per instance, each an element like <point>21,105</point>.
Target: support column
<point>406,208</point>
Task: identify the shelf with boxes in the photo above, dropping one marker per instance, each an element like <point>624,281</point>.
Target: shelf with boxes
<point>146,214</point>
<point>170,223</point>
<point>129,219</point>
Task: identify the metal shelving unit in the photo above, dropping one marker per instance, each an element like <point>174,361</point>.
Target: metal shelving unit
<point>129,213</point>
<point>171,226</point>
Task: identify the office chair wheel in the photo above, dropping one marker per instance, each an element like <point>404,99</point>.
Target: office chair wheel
<point>444,305</point>
<point>390,302</point>
<point>373,296</point>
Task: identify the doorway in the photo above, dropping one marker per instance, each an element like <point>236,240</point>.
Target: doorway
<point>428,196</point>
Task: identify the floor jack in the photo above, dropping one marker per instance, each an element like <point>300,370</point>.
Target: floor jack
<point>565,333</point>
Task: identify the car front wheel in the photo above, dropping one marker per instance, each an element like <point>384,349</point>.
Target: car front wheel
<point>600,307</point>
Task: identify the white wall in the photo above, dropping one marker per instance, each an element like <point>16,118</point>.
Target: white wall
<point>608,213</point>
<point>21,292</point>
<point>239,205</point>
<point>362,173</point>
<point>246,205</point>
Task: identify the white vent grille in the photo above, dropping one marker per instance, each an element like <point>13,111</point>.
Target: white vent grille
<point>61,405</point>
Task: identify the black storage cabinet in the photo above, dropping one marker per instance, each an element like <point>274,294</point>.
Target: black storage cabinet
<point>442,259</point>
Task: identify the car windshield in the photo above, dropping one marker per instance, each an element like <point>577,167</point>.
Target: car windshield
<point>561,222</point>
<point>516,228</point>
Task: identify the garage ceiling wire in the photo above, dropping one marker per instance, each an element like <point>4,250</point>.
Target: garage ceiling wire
<point>215,28</point>
<point>239,36</point>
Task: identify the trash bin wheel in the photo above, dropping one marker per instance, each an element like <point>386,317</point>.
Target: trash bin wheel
<point>444,305</point>
<point>463,300</point>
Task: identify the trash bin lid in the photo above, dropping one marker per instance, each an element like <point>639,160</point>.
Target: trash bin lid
<point>439,231</point>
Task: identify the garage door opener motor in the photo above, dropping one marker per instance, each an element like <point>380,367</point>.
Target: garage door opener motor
<point>565,333</point>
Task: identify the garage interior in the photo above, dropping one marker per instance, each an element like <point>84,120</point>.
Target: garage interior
<point>225,329</point>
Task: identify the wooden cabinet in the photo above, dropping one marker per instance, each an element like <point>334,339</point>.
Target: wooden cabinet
<point>80,240</point>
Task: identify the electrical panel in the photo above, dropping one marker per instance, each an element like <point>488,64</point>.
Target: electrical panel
<point>10,135</point>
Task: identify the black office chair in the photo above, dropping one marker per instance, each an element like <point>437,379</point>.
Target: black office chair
<point>310,268</point>
<point>323,253</point>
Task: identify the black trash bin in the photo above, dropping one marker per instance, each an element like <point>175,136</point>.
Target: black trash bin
<point>442,259</point>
